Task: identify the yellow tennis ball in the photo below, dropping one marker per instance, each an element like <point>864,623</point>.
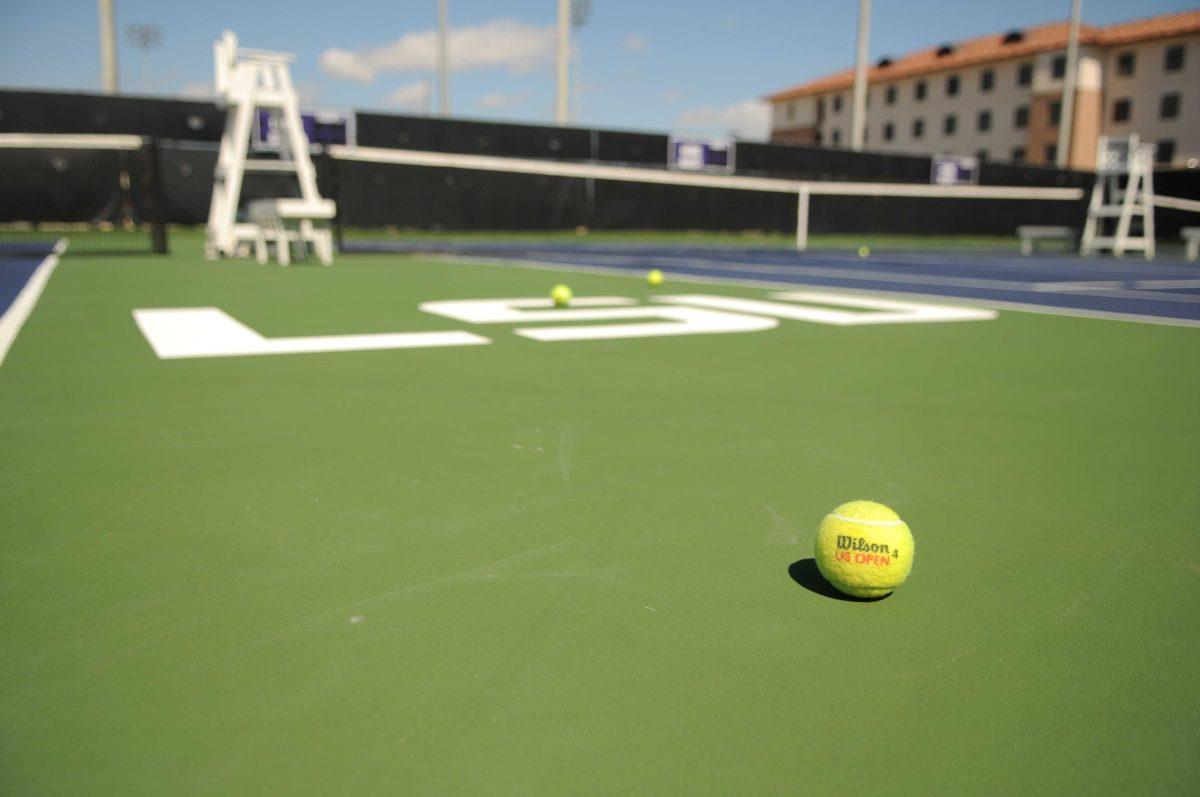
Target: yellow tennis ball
<point>864,549</point>
<point>864,251</point>
<point>654,278</point>
<point>561,295</point>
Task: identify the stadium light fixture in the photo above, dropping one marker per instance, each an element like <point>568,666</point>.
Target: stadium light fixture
<point>581,12</point>
<point>144,37</point>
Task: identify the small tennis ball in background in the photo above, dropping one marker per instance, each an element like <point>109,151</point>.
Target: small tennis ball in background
<point>864,549</point>
<point>561,295</point>
<point>654,278</point>
<point>864,251</point>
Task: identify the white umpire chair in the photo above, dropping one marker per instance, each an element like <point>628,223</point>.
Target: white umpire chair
<point>1124,192</point>
<point>249,80</point>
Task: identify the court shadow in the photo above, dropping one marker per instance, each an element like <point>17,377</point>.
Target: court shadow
<point>806,574</point>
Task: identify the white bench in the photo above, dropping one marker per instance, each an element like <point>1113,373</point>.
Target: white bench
<point>273,219</point>
<point>1191,235</point>
<point>1030,234</point>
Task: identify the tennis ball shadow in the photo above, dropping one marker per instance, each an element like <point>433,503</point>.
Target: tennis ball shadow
<point>806,574</point>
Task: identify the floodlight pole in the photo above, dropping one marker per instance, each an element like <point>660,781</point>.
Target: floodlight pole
<point>1070,81</point>
<point>108,47</point>
<point>581,10</point>
<point>858,111</point>
<point>563,77</point>
<point>443,60</point>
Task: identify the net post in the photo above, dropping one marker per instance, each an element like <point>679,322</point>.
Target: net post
<point>155,197</point>
<point>802,218</point>
<point>331,170</point>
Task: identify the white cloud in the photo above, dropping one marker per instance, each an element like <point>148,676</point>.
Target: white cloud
<point>635,43</point>
<point>412,96</point>
<point>345,64</point>
<point>672,95</point>
<point>200,90</point>
<point>308,92</point>
<point>499,100</point>
<point>749,120</point>
<point>503,43</point>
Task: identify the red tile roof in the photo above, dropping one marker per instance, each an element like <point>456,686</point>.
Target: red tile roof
<point>1162,27</point>
<point>989,49</point>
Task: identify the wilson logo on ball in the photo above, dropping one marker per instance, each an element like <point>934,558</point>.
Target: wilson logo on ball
<point>861,544</point>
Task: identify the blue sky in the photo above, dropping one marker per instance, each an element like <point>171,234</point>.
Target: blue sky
<point>658,65</point>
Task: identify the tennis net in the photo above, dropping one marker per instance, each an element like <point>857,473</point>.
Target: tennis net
<point>398,189</point>
<point>101,193</point>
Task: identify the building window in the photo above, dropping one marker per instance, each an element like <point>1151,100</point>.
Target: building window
<point>952,86</point>
<point>1051,154</point>
<point>1059,66</point>
<point>984,122</point>
<point>1055,113</point>
<point>837,137</point>
<point>889,131</point>
<point>1126,63</point>
<point>1122,109</point>
<point>1021,117</point>
<point>950,124</point>
<point>890,96</point>
<point>1018,155</point>
<point>1168,106</point>
<point>919,90</point>
<point>918,128</point>
<point>820,138</point>
<point>1173,61</point>
<point>837,104</point>
<point>791,111</point>
<point>820,108</point>
<point>987,79</point>
<point>982,155</point>
<point>1164,151</point>
<point>1025,74</point>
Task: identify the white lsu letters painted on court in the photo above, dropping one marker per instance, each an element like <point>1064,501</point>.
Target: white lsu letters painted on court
<point>188,332</point>
<point>211,332</point>
<point>668,320</point>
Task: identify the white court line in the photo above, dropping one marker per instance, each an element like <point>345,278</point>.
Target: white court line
<point>1165,285</point>
<point>1123,286</point>
<point>830,272</point>
<point>1037,309</point>
<point>867,275</point>
<point>1154,296</point>
<point>1072,287</point>
<point>18,312</point>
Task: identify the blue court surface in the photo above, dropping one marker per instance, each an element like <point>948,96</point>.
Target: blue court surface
<point>1104,286</point>
<point>14,274</point>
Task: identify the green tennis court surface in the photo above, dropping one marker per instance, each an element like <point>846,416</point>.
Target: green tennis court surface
<point>578,566</point>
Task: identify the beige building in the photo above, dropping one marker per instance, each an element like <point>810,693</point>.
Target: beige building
<point>1000,96</point>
